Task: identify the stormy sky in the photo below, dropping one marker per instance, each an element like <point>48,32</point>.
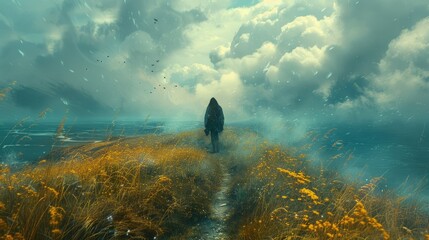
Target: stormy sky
<point>313,61</point>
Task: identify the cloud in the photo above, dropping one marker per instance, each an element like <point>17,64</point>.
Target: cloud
<point>139,41</point>
<point>311,61</point>
<point>250,67</point>
<point>282,60</point>
<point>326,58</point>
<point>113,50</point>
<point>24,97</point>
<point>402,84</point>
<point>80,102</point>
<point>205,6</point>
<point>228,90</point>
<point>203,37</point>
<point>190,76</point>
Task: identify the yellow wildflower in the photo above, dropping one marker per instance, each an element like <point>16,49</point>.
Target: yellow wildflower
<point>3,224</point>
<point>53,191</point>
<point>8,237</point>
<point>309,193</point>
<point>299,177</point>
<point>56,214</point>
<point>164,180</point>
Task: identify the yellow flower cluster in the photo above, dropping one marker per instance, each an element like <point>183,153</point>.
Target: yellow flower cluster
<point>262,170</point>
<point>3,225</point>
<point>164,180</point>
<point>361,217</point>
<point>30,191</point>
<point>4,169</point>
<point>52,190</point>
<point>16,236</point>
<point>56,214</point>
<point>330,230</point>
<point>310,194</point>
<point>300,177</point>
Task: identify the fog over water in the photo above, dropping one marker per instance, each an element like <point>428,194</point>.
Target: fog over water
<point>293,70</point>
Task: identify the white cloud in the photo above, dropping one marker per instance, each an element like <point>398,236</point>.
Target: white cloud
<point>300,59</point>
<point>250,65</point>
<point>308,31</point>
<point>190,76</point>
<point>412,46</point>
<point>402,84</point>
<point>139,41</point>
<point>206,6</point>
<point>228,90</point>
<point>204,37</point>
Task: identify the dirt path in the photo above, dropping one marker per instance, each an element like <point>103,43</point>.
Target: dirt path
<point>215,226</point>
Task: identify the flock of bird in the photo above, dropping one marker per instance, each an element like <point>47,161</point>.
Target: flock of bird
<point>153,65</point>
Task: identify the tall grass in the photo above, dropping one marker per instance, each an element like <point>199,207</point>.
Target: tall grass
<point>155,186</point>
<point>279,195</point>
<point>162,186</point>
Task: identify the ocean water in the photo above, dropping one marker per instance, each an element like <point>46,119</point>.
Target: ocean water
<point>29,142</point>
<point>398,154</point>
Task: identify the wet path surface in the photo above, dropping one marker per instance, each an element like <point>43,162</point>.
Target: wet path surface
<point>215,226</point>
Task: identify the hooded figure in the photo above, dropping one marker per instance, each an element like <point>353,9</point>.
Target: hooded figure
<point>213,122</point>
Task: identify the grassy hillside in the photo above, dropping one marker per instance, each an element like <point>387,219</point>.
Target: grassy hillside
<point>163,186</point>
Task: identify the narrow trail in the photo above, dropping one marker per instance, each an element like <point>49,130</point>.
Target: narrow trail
<point>215,226</point>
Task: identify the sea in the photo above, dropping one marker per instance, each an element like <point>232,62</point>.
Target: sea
<point>28,142</point>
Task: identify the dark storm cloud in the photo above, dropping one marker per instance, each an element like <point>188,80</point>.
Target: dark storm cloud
<point>349,88</point>
<point>77,102</point>
<point>163,25</point>
<point>159,20</point>
<point>367,29</point>
<point>80,102</point>
<point>369,26</point>
<point>30,98</point>
<point>86,53</point>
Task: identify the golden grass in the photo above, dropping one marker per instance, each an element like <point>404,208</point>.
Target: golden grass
<point>279,196</point>
<point>162,186</point>
<point>141,188</point>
